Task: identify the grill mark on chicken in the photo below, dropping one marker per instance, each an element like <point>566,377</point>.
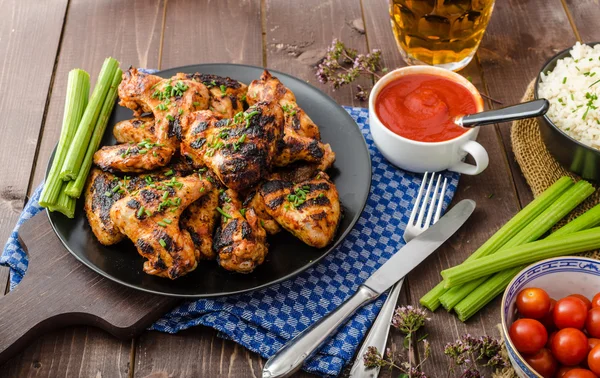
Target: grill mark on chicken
<point>161,235</point>
<point>225,237</point>
<point>200,127</point>
<point>149,196</point>
<point>208,79</point>
<point>133,204</point>
<point>276,202</point>
<point>319,201</point>
<point>174,128</point>
<point>275,185</point>
<point>144,246</point>
<point>315,150</point>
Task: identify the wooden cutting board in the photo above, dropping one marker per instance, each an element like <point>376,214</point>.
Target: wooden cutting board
<point>59,291</point>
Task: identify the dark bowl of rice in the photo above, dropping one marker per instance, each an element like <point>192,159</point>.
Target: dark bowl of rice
<point>570,81</point>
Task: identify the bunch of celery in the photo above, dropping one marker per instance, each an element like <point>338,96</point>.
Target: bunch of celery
<point>83,126</point>
<point>485,274</point>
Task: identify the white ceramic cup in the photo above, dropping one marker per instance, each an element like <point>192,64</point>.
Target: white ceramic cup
<point>416,156</point>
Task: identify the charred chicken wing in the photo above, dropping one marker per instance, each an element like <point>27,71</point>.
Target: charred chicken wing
<point>101,192</point>
<point>169,100</point>
<point>239,150</point>
<point>150,218</point>
<point>310,209</point>
<point>200,219</point>
<point>301,140</point>
<point>227,96</point>
<point>240,241</point>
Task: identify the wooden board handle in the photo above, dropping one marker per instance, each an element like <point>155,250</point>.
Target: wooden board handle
<point>58,291</point>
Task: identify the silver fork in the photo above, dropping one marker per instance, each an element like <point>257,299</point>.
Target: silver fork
<point>377,336</point>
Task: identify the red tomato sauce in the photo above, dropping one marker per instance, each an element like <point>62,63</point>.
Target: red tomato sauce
<point>423,107</point>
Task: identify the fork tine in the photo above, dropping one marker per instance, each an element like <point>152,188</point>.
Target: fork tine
<point>425,201</point>
<point>431,209</point>
<point>441,202</point>
<point>413,213</point>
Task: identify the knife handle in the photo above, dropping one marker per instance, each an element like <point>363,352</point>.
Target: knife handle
<point>290,358</point>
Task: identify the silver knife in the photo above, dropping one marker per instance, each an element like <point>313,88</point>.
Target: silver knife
<point>293,354</point>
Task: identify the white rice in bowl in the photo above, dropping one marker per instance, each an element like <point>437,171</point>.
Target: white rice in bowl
<point>573,89</point>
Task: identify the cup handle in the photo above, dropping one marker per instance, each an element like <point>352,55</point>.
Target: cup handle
<point>479,154</point>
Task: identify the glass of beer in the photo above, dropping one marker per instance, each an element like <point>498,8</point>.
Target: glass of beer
<point>443,33</point>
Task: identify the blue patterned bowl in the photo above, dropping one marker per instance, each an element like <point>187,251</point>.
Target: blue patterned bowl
<point>560,277</point>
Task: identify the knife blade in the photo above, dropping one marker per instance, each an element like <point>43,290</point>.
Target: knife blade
<point>291,356</point>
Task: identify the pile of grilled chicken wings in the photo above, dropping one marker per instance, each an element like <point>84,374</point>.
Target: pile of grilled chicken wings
<point>207,169</point>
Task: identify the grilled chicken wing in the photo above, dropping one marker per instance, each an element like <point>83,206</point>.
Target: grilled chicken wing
<point>255,202</point>
<point>238,151</point>
<point>135,130</point>
<point>227,96</point>
<point>100,195</point>
<point>310,209</point>
<point>200,219</point>
<point>168,100</point>
<point>301,140</point>
<point>240,241</point>
<point>150,218</point>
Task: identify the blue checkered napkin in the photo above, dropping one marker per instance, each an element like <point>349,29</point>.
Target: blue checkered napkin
<point>264,320</point>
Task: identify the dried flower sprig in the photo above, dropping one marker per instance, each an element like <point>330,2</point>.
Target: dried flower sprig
<point>343,65</point>
<point>408,320</point>
<point>471,354</point>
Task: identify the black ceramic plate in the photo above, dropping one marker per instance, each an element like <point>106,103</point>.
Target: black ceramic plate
<point>287,255</point>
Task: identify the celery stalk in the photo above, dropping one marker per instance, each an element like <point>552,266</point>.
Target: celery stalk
<point>576,242</point>
<point>78,88</point>
<point>464,273</point>
<point>64,204</point>
<point>81,140</point>
<point>589,219</point>
<point>75,187</point>
<point>489,290</point>
<point>498,282</point>
<point>431,300</point>
<point>456,294</point>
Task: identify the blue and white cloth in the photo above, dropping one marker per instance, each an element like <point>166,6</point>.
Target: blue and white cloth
<point>264,320</point>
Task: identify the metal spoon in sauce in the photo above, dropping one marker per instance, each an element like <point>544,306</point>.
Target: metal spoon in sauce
<point>535,108</point>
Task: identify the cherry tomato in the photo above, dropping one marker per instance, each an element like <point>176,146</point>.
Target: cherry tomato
<point>550,337</point>
<point>569,312</point>
<point>543,362</point>
<point>579,373</point>
<point>593,360</point>
<point>585,300</point>
<point>547,320</point>
<point>592,323</point>
<point>596,300</point>
<point>533,303</point>
<point>570,346</point>
<point>560,373</point>
<point>593,342</point>
<point>529,335</point>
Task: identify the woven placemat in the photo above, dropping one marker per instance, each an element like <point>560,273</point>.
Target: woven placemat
<point>539,167</point>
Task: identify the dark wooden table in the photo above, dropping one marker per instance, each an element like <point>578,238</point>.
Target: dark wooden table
<point>40,41</point>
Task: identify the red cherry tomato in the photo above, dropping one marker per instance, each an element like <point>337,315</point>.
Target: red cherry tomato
<point>592,322</point>
<point>543,362</point>
<point>570,312</point>
<point>570,346</point>
<point>529,335</point>
<point>593,342</point>
<point>547,320</point>
<point>593,360</point>
<point>585,300</point>
<point>596,300</point>
<point>550,337</point>
<point>533,303</point>
<point>560,373</point>
<point>579,373</point>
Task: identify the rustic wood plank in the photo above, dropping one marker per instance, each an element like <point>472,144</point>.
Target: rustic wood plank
<point>496,203</point>
<point>231,32</point>
<point>512,53</point>
<point>72,352</point>
<point>298,34</point>
<point>23,110</point>
<point>212,31</point>
<point>584,14</point>
<point>130,32</point>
